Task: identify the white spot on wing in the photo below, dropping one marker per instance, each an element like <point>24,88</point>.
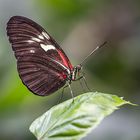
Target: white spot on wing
<point>40,36</point>
<point>32,51</point>
<point>47,47</point>
<point>30,41</point>
<point>46,35</point>
<point>36,39</point>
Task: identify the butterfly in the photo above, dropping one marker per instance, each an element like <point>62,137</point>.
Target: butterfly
<point>41,63</point>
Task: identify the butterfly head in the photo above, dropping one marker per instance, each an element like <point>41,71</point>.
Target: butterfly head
<point>78,67</point>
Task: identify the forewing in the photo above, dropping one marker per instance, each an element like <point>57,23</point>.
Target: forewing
<point>27,37</point>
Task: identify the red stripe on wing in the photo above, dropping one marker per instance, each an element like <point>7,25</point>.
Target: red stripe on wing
<point>65,60</point>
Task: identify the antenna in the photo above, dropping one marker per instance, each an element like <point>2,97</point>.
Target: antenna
<point>94,50</point>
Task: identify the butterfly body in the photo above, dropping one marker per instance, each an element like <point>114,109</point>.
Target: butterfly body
<point>42,65</point>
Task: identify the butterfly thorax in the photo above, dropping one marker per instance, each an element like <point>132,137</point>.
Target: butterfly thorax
<point>75,73</point>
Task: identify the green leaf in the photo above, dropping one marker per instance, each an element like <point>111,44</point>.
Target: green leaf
<point>72,120</point>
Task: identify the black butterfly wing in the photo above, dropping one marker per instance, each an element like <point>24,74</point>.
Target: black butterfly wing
<point>25,35</point>
<point>41,75</point>
<point>42,64</point>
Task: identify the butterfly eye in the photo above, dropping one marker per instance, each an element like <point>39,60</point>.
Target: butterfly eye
<point>79,67</point>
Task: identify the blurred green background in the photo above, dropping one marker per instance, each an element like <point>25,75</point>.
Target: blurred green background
<point>78,26</point>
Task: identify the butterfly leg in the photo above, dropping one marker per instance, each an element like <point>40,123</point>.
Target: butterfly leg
<point>62,94</point>
<point>71,92</point>
<point>84,79</point>
<point>81,84</point>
